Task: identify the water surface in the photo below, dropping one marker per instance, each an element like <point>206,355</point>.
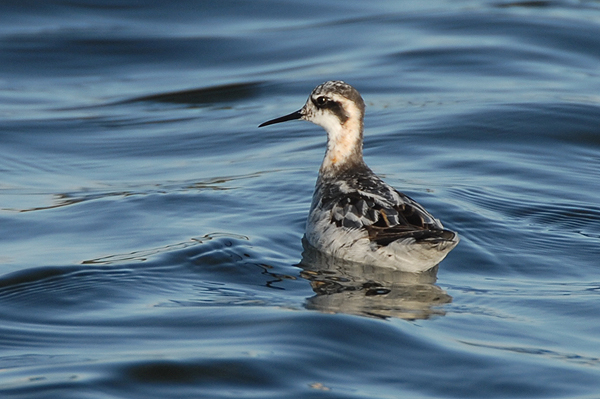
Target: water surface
<point>151,234</point>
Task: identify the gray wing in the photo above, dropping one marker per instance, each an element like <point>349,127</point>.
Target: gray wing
<point>387,218</point>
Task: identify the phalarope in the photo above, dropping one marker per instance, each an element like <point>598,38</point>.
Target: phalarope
<point>354,214</point>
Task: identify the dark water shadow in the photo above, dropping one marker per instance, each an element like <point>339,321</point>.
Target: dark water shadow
<point>205,95</point>
<point>372,291</point>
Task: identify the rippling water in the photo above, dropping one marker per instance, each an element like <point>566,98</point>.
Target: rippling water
<point>151,234</point>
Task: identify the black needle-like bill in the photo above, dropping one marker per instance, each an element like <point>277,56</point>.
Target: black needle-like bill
<point>290,117</point>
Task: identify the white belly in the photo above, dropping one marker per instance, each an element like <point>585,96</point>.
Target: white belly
<point>354,245</point>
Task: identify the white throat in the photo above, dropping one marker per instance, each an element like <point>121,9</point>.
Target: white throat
<point>344,139</point>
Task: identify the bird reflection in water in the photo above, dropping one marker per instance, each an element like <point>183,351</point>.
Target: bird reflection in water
<point>365,290</point>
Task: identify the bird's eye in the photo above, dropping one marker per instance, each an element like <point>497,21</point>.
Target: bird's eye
<point>322,100</point>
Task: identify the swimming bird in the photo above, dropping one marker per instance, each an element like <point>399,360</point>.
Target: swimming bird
<point>354,214</point>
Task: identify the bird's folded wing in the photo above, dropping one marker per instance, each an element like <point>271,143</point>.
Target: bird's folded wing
<point>387,221</point>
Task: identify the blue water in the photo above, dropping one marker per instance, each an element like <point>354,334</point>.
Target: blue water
<point>151,234</point>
